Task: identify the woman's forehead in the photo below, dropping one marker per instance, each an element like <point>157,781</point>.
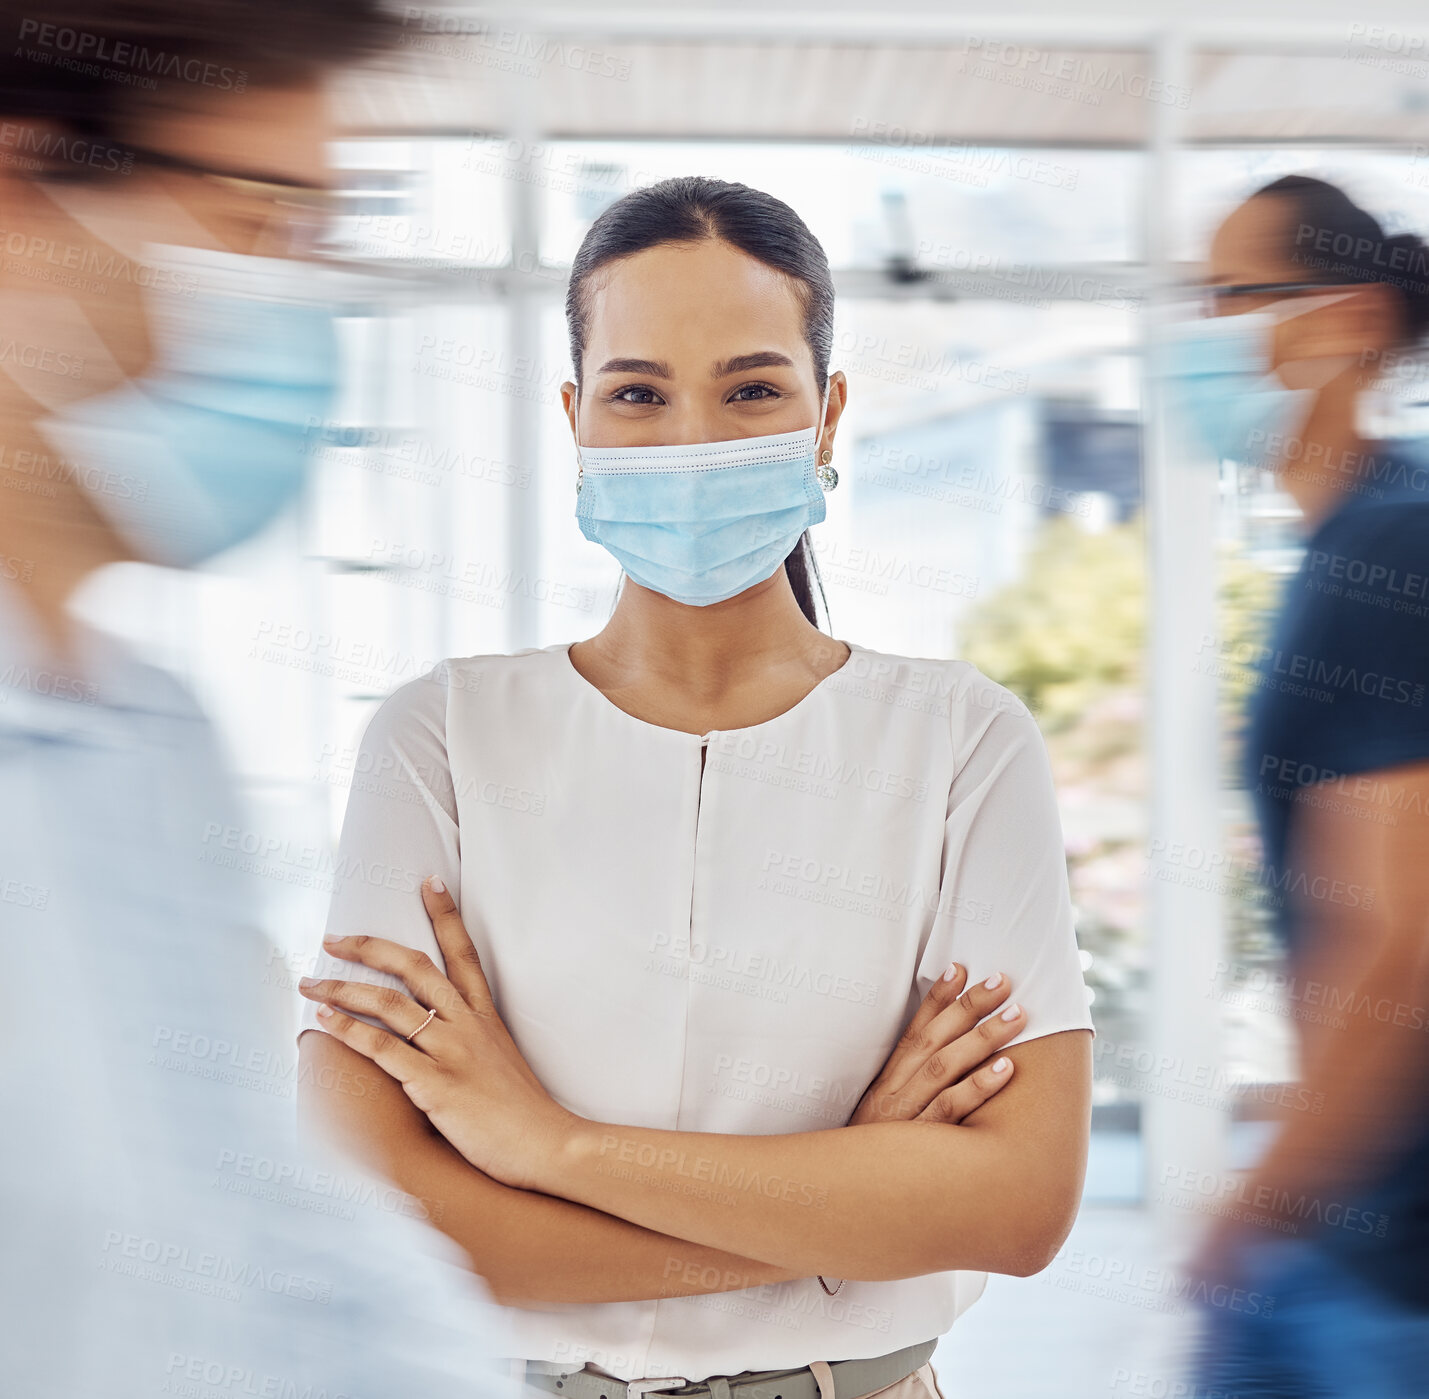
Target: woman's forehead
<point>692,301</point>
<point>1255,243</point>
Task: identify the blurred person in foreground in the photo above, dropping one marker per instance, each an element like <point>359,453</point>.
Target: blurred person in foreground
<point>1312,302</point>
<point>161,167</point>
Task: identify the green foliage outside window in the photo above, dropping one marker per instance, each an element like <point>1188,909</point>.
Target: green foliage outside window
<point>1069,638</point>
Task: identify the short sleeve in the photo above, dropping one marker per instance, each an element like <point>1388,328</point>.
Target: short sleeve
<point>1004,903</point>
<point>400,828</point>
<point>1359,646</point>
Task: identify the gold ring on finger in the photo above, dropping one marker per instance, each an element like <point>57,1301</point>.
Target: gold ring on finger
<point>431,1015</point>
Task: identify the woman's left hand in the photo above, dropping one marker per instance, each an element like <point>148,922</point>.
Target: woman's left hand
<point>463,1068</point>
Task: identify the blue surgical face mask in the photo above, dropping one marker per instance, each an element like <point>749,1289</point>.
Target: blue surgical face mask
<point>213,441</point>
<point>1219,384</point>
<point>701,522</point>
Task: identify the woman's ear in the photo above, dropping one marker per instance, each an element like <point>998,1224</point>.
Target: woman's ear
<point>838,401</point>
<point>1363,323</point>
<point>570,401</point>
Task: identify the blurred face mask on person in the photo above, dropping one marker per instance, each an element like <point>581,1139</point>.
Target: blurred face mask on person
<point>1244,376</point>
<point>700,428</point>
<point>210,442</point>
<point>204,341</point>
<point>1224,387</point>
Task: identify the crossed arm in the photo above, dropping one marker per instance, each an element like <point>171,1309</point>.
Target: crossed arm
<point>876,1201</point>
<point>531,1248</point>
<point>552,1207</point>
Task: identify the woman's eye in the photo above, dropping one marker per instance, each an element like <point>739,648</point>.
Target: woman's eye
<point>639,394</point>
<point>752,393</point>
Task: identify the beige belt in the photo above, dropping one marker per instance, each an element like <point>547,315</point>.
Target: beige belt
<point>851,1379</point>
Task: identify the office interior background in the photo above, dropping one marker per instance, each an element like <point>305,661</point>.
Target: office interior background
<point>1014,200</point>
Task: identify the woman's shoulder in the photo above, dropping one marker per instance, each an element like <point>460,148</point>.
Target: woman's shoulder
<point>950,706</point>
<point>419,707</point>
<point>938,686</point>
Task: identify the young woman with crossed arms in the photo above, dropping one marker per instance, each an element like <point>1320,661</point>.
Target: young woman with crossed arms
<point>709,848</point>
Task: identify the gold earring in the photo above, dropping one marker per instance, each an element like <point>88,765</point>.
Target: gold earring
<point>826,476</point>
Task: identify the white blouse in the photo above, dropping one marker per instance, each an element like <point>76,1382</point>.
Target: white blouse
<point>729,950</point>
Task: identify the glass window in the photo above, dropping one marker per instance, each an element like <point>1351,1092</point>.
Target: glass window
<point>436,203</point>
<point>953,208</point>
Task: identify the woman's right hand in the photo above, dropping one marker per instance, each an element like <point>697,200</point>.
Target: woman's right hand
<point>946,1065</point>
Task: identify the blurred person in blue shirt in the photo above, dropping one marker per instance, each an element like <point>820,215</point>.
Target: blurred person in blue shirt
<point>162,347</point>
<point>1311,303</point>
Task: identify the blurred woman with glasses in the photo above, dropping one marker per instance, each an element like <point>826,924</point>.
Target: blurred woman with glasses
<point>1311,303</point>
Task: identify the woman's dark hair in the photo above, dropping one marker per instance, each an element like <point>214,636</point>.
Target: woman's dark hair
<point>1337,241</point>
<point>694,208</point>
<point>82,64</point>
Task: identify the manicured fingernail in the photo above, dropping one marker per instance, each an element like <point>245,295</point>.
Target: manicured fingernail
<point>1012,1012</point>
<point>324,1011</point>
<point>436,886</point>
<point>1000,1066</point>
<point>306,983</point>
<point>331,939</point>
<point>994,981</point>
<point>951,972</point>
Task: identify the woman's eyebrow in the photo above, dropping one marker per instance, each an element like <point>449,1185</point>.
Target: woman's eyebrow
<point>761,359</point>
<point>656,368</point>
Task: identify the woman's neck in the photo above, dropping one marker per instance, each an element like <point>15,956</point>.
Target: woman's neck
<point>50,538</point>
<point>1330,463</point>
<point>729,665</point>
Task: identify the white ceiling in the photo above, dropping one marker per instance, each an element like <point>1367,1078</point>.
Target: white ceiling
<point>905,73</point>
